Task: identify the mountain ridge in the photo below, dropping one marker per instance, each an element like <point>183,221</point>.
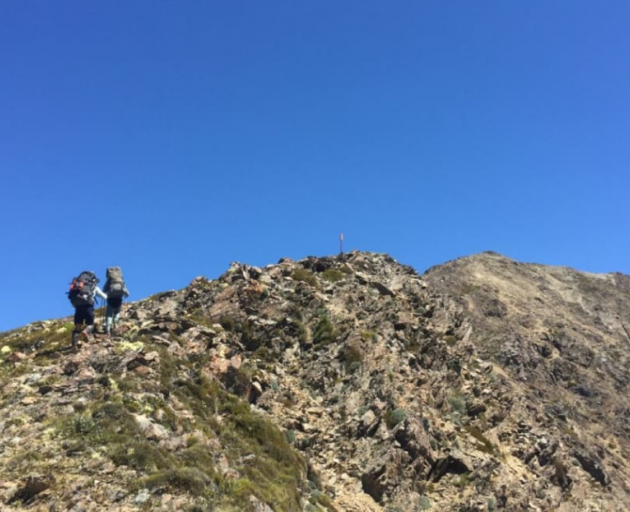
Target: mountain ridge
<point>483,384</point>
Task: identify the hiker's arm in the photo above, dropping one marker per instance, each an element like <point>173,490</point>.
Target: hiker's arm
<point>100,293</point>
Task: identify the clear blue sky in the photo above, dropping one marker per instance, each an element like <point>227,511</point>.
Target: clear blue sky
<point>172,137</point>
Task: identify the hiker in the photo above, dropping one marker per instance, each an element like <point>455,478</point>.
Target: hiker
<point>82,295</point>
<point>116,291</point>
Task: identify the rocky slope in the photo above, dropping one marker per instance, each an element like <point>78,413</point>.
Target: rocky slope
<point>346,383</point>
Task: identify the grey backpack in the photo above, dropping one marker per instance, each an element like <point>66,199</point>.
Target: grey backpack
<point>115,285</point>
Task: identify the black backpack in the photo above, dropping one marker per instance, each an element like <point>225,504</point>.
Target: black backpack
<point>82,289</point>
<point>115,286</point>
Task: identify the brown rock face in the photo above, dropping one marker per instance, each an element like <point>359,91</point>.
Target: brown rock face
<point>560,339</point>
<point>346,383</point>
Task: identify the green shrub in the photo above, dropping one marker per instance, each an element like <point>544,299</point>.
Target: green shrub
<point>324,331</point>
<point>457,403</point>
<point>454,364</point>
<point>319,498</point>
<point>24,460</point>
<point>352,354</point>
<point>332,275</point>
<point>305,276</point>
<point>424,503</point>
<point>81,424</point>
<point>394,417</point>
<point>369,336</point>
<point>14,422</point>
<point>450,340</point>
<point>354,366</point>
<point>141,455</point>
<point>188,479</point>
<point>464,480</point>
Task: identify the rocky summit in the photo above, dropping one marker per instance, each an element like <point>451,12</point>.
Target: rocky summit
<point>347,383</point>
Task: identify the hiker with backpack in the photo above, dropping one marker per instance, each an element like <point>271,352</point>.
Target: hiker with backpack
<point>116,291</point>
<point>83,291</point>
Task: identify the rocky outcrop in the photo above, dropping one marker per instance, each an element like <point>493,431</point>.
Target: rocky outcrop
<point>347,383</point>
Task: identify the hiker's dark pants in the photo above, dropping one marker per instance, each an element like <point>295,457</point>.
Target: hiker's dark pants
<point>112,314</point>
<point>84,314</point>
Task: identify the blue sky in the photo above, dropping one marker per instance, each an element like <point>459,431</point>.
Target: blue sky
<point>172,137</point>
